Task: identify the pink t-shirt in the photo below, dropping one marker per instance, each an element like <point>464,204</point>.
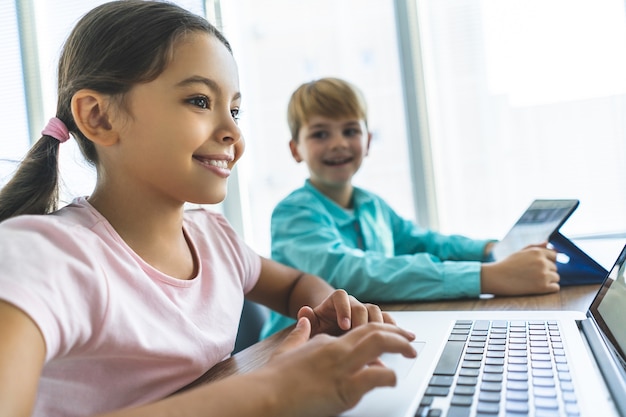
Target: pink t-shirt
<point>117,331</point>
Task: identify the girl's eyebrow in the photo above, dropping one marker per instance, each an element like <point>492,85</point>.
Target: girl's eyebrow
<point>209,83</point>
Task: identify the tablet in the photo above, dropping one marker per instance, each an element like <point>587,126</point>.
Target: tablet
<point>539,222</point>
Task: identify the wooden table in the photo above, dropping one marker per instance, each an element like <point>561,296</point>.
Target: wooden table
<point>568,298</point>
<point>576,298</point>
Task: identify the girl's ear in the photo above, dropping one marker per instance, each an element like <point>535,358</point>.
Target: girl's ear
<point>293,146</point>
<point>369,141</point>
<point>89,109</point>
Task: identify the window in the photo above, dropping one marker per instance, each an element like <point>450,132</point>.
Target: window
<point>526,100</point>
<point>12,100</point>
<point>520,100</point>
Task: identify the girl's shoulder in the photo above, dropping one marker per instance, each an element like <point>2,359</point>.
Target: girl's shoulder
<point>68,221</point>
<point>75,230</point>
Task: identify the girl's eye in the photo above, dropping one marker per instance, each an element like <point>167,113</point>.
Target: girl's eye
<point>235,114</point>
<point>200,101</point>
<point>351,132</point>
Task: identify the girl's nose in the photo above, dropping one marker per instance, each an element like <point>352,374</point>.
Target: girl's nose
<point>230,131</point>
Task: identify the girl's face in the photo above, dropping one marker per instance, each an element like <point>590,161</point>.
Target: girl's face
<point>333,150</point>
<point>180,138</point>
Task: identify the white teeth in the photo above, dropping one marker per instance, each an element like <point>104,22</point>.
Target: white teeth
<point>337,161</point>
<point>219,164</point>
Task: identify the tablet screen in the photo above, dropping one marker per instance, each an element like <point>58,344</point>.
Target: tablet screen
<point>537,224</point>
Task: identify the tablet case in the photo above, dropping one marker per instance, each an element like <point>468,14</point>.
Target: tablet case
<point>581,268</point>
<point>539,221</point>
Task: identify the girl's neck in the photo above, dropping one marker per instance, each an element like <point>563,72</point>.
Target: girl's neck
<point>154,231</point>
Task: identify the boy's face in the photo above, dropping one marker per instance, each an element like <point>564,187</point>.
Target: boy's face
<point>333,149</point>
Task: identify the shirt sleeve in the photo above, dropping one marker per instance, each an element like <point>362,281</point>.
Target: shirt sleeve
<point>46,272</point>
<point>222,240</point>
<point>409,238</point>
<point>306,238</point>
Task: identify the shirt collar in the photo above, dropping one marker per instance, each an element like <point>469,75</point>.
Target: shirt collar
<point>360,199</point>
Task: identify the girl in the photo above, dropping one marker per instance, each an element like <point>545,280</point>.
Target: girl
<point>115,301</point>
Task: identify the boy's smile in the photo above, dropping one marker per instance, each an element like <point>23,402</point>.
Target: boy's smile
<point>338,161</point>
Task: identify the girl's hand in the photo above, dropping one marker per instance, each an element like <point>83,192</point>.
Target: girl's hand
<point>338,370</point>
<point>340,312</point>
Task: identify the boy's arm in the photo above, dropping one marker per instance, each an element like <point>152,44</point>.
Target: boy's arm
<point>409,238</point>
<point>310,241</point>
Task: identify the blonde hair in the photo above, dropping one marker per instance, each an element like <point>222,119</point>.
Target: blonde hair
<point>328,97</point>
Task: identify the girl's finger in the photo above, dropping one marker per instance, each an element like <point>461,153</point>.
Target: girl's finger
<point>374,313</point>
<point>296,338</point>
<point>341,303</point>
<point>373,339</point>
<point>387,318</point>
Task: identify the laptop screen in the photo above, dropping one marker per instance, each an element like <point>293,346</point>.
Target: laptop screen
<point>607,308</point>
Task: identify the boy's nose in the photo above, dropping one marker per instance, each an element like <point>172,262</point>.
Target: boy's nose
<point>338,140</point>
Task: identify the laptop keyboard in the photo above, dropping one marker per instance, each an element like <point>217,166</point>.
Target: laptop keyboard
<point>501,368</point>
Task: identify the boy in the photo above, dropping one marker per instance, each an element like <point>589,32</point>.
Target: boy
<point>355,240</point>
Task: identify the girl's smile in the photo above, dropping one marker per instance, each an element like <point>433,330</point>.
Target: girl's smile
<point>220,165</point>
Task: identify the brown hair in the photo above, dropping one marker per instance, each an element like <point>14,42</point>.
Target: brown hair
<point>112,48</point>
<point>328,97</point>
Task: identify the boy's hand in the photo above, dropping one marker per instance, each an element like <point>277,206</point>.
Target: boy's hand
<point>531,270</point>
<point>340,312</point>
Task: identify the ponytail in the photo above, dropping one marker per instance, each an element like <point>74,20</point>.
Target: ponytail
<point>34,188</point>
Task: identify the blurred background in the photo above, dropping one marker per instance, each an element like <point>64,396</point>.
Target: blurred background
<point>477,107</point>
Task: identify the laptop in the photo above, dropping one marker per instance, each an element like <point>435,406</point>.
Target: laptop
<point>554,363</point>
<point>541,220</point>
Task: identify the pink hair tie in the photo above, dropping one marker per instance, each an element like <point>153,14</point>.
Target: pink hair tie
<point>57,129</point>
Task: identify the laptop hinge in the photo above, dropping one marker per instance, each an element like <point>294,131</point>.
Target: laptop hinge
<point>614,375</point>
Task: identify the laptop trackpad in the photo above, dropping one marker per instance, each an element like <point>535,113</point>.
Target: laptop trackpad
<point>399,363</point>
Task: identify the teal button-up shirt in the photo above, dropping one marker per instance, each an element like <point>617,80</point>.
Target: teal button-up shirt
<point>371,252</point>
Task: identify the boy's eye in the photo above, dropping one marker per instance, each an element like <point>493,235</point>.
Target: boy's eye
<point>351,132</point>
<point>320,134</point>
<point>200,101</point>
